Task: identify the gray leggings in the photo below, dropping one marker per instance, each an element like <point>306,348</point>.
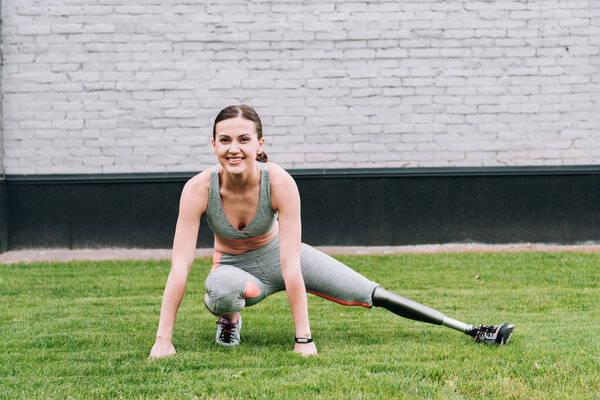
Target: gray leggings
<point>245,279</point>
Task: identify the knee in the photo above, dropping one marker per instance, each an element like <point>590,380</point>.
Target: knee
<point>223,294</point>
<point>223,304</point>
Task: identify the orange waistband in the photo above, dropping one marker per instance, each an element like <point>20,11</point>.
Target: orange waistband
<point>239,246</point>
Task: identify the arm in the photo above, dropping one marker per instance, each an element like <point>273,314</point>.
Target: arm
<point>286,200</point>
<point>192,205</point>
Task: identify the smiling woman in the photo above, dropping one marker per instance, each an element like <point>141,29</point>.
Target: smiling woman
<point>246,114</point>
<point>253,207</point>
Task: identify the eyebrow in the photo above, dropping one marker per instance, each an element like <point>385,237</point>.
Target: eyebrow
<point>227,135</point>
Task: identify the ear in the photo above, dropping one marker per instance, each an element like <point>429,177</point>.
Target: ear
<point>261,142</point>
<point>213,145</point>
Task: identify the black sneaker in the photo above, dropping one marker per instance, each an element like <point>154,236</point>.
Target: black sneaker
<point>493,334</point>
<point>228,334</point>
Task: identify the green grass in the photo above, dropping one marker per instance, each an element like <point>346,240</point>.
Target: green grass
<point>84,330</point>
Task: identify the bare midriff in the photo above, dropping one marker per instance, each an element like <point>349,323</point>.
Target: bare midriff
<point>235,246</point>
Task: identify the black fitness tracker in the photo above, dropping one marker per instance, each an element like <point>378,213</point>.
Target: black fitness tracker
<point>303,340</point>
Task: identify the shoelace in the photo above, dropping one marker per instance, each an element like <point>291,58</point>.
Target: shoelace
<point>486,331</point>
<point>226,330</point>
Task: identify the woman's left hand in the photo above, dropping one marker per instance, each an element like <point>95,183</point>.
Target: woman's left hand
<point>306,349</point>
<point>162,348</point>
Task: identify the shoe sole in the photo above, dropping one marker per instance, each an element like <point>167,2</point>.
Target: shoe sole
<point>504,333</point>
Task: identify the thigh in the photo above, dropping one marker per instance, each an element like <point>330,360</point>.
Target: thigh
<point>327,277</point>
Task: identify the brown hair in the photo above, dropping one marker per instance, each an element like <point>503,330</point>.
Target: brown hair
<point>246,112</point>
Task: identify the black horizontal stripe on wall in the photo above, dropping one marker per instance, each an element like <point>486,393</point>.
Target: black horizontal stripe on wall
<point>378,206</point>
<point>3,216</point>
<point>314,173</point>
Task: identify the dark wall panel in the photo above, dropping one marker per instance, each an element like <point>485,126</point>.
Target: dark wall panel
<point>372,207</point>
<point>92,215</point>
<point>3,216</point>
<point>443,209</point>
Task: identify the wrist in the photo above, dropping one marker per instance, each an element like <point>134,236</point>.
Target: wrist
<point>303,331</point>
<point>163,338</point>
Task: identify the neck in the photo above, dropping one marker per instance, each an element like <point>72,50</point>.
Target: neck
<point>240,182</point>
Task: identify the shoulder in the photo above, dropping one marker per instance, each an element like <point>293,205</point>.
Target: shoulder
<point>196,190</point>
<point>283,186</point>
<point>279,175</point>
<point>200,181</point>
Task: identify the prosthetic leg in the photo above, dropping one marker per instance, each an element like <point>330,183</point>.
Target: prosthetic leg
<point>408,308</point>
<point>411,309</point>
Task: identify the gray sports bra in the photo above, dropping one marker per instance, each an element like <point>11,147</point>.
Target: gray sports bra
<point>261,223</point>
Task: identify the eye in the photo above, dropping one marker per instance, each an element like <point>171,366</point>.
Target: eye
<point>223,140</point>
<point>244,139</point>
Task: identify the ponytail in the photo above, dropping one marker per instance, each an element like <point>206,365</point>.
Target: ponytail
<point>262,157</point>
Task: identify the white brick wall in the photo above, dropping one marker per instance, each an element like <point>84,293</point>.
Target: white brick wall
<point>1,133</point>
<point>133,86</point>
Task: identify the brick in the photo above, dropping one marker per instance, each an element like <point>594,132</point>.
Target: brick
<point>456,52</point>
<point>450,81</point>
<point>33,30</point>
<point>98,160</point>
<point>9,59</point>
<point>148,95</point>
<point>34,125</point>
<point>584,51</point>
<point>318,26</point>
<point>520,52</point>
<point>24,10</point>
<point>414,43</point>
<point>117,151</point>
<point>449,119</point>
<point>459,33</point>
<point>66,28</point>
<point>417,81</point>
<point>65,143</point>
<point>179,113</point>
<point>49,78</point>
<point>67,106</point>
<point>68,124</point>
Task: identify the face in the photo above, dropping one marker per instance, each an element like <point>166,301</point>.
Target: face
<point>236,144</point>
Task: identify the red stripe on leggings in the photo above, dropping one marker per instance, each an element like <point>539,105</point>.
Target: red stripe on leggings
<point>216,259</point>
<point>342,302</point>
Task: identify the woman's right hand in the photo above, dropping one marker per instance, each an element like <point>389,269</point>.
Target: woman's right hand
<point>162,348</point>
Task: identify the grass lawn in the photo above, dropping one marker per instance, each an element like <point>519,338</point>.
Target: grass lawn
<point>84,330</point>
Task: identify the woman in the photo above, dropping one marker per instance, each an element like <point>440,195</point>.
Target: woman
<point>253,208</point>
